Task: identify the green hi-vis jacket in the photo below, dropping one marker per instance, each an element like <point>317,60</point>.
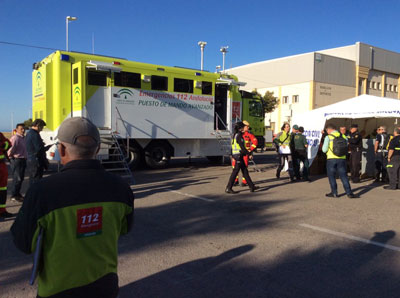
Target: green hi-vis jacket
<point>82,210</point>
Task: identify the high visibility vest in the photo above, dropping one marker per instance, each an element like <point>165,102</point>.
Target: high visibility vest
<point>235,146</point>
<point>329,153</point>
<point>284,138</point>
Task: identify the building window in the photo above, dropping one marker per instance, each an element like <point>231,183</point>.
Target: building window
<point>396,89</point>
<point>387,87</point>
<point>295,98</point>
<point>369,84</point>
<point>392,88</point>
<point>373,85</point>
<point>285,99</point>
<point>379,86</point>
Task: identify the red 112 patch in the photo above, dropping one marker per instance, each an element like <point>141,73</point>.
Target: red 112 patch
<point>89,222</point>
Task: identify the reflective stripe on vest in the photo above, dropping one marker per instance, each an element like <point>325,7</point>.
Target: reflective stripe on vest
<point>3,188</point>
<point>6,145</point>
<point>2,205</point>
<point>329,153</point>
<point>2,156</point>
<point>235,146</point>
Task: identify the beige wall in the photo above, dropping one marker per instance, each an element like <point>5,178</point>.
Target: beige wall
<point>277,72</point>
<point>285,111</point>
<point>326,94</point>
<point>347,52</point>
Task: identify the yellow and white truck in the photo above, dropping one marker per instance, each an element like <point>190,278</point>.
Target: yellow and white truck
<point>158,112</point>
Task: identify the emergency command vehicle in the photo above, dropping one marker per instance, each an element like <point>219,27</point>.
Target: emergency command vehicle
<point>157,112</point>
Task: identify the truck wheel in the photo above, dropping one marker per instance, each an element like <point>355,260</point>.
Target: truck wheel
<point>134,158</point>
<point>157,156</point>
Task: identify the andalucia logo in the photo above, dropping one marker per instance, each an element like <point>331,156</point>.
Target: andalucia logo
<point>38,79</point>
<point>39,88</point>
<point>77,93</point>
<point>125,93</point>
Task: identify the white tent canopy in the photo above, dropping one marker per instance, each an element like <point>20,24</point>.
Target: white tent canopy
<point>366,110</point>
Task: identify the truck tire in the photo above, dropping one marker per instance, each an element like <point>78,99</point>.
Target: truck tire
<point>135,158</point>
<point>157,156</point>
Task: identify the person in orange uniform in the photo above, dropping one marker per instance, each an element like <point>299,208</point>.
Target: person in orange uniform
<point>4,146</point>
<point>250,142</point>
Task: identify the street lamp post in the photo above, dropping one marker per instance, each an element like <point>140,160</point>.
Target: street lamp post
<point>67,20</point>
<point>223,50</point>
<point>202,45</point>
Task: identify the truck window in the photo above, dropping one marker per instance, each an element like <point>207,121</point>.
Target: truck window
<point>255,108</point>
<point>206,88</point>
<point>182,85</point>
<point>97,78</point>
<point>159,83</point>
<point>76,76</point>
<point>127,79</point>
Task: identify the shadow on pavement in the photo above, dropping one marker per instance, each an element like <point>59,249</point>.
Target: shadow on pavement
<point>357,270</point>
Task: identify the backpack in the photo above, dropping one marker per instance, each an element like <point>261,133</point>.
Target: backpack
<point>340,146</point>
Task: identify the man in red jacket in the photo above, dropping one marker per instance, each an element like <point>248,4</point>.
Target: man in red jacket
<point>4,146</point>
<point>250,142</point>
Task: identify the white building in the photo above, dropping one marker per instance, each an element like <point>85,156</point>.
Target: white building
<point>312,80</point>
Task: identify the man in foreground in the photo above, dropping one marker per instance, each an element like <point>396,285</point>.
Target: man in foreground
<point>81,213</point>
<point>335,147</point>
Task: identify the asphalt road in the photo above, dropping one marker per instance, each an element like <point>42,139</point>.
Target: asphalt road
<point>190,239</point>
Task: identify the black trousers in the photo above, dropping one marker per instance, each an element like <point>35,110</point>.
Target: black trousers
<point>393,168</point>
<point>300,156</point>
<point>35,170</point>
<point>380,165</point>
<point>355,165</point>
<point>239,166</point>
<point>18,166</point>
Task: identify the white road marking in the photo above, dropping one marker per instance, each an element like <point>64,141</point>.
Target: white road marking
<point>192,196</point>
<point>351,237</point>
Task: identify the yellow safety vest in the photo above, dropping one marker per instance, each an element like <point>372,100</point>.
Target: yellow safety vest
<point>329,153</point>
<point>235,146</point>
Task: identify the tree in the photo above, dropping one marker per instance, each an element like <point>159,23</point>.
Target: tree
<point>270,102</point>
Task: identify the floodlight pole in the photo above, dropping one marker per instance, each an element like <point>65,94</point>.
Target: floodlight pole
<point>202,45</point>
<point>67,20</point>
<point>223,50</point>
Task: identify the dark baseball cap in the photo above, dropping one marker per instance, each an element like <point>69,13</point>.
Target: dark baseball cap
<point>75,127</point>
<point>296,127</point>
